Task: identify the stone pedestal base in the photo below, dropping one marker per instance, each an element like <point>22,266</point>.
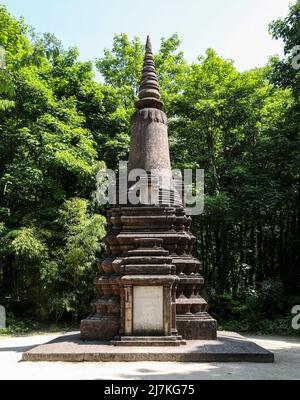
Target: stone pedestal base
<point>105,328</point>
<point>202,327</point>
<point>229,347</point>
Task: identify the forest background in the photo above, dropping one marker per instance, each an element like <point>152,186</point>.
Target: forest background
<point>59,126</point>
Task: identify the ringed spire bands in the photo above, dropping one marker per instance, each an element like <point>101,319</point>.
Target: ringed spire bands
<point>149,96</point>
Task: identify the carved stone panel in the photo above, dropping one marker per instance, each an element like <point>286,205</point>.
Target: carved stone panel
<point>148,314</point>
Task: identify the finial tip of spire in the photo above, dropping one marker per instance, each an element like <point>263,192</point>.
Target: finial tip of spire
<point>148,43</point>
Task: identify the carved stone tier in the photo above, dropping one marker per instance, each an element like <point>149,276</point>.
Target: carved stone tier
<point>147,241</point>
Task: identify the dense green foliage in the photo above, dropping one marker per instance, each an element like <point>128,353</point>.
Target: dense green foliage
<point>49,233</point>
<point>58,127</point>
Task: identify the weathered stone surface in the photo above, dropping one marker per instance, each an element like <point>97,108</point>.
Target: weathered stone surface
<point>228,348</point>
<point>104,328</point>
<point>149,132</point>
<point>193,328</point>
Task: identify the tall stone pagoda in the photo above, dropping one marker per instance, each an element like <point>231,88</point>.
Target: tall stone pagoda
<point>149,285</point>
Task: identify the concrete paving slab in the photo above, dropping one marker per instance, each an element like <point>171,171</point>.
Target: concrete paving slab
<point>286,365</point>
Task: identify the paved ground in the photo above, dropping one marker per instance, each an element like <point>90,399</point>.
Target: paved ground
<point>287,365</point>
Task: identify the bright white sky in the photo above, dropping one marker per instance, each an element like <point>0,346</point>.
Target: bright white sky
<point>236,29</point>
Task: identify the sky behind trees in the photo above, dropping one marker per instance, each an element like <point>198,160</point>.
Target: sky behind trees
<point>235,29</point>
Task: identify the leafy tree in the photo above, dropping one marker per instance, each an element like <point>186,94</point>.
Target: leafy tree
<point>287,29</point>
<point>47,157</point>
<point>69,272</point>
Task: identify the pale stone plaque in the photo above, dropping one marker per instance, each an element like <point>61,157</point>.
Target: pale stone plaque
<point>148,307</point>
<point>2,318</point>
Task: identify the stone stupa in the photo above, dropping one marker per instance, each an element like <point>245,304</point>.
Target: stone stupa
<point>149,285</point>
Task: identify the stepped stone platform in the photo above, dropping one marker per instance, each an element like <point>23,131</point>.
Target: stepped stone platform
<point>229,347</point>
<point>153,341</point>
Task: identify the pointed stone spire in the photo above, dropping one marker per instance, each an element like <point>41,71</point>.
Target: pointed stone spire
<point>149,96</point>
